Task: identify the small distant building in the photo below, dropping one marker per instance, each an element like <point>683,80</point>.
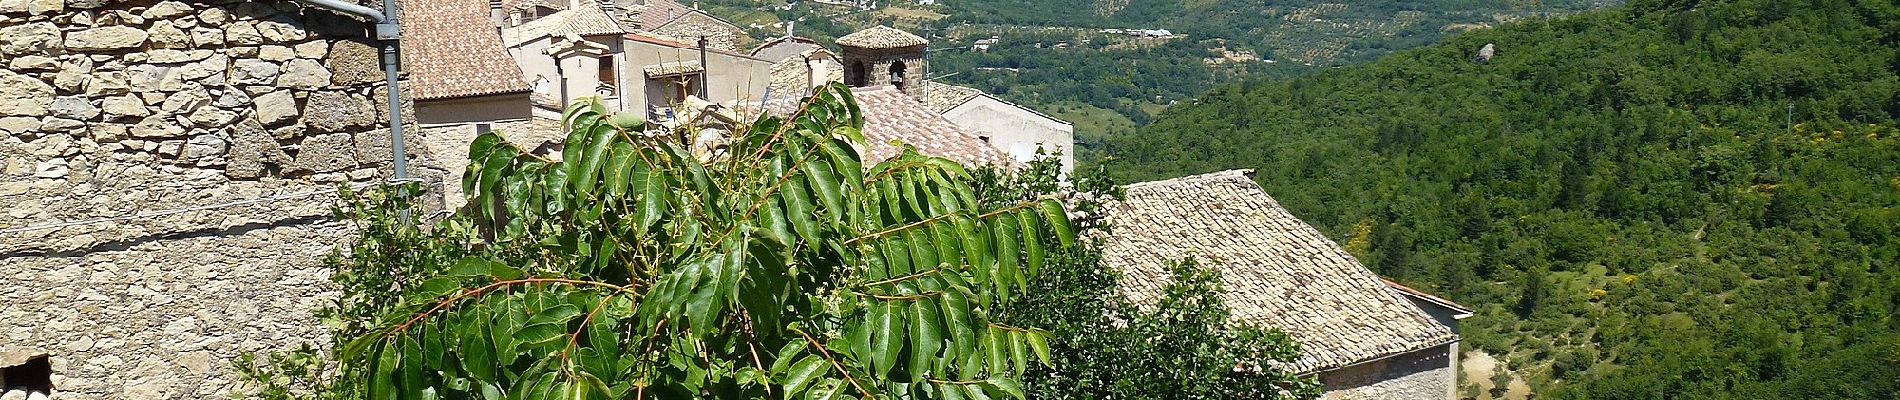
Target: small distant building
<point>1016,130</point>
<point>1363,337</point>
<point>983,45</point>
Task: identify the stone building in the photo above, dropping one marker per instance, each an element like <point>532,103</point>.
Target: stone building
<point>1362,338</point>
<point>168,169</point>
<point>696,24</point>
<point>882,56</point>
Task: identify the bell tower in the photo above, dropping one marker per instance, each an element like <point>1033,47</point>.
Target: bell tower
<point>884,55</point>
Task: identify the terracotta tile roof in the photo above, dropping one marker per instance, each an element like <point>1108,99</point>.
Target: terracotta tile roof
<point>943,97</point>
<point>1278,271</point>
<point>450,49</point>
<point>586,20</point>
<point>656,13</point>
<point>881,37</point>
<point>892,116</point>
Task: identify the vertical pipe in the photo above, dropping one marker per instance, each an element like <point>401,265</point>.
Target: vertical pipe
<point>399,158</point>
<point>705,71</point>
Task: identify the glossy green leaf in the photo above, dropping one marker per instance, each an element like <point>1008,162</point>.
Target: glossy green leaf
<point>802,374</point>
<point>1058,219</point>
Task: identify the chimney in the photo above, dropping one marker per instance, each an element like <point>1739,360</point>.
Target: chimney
<point>495,14</point>
<point>612,9</point>
<point>573,4</point>
<point>788,27</point>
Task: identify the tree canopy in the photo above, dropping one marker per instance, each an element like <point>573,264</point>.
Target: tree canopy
<point>1668,199</point>
<point>632,266</point>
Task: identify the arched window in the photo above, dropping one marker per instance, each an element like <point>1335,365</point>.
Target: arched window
<point>897,74</point>
<point>854,74</point>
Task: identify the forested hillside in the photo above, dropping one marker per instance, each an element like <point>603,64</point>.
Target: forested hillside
<point>1676,199</point>
<point>1132,79</point>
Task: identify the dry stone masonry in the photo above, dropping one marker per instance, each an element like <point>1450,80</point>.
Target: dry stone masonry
<point>122,108</point>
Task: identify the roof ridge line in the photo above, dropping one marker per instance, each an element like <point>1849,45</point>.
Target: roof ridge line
<point>1211,176</point>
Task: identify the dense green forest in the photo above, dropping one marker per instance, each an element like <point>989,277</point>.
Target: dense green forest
<point>1134,78</point>
<point>1674,199</point>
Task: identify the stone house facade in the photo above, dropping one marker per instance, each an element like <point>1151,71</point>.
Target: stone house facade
<point>168,169</point>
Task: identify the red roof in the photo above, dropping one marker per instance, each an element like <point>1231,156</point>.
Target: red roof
<point>451,49</point>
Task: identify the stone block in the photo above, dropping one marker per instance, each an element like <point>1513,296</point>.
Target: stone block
<point>20,126</point>
<point>204,146</point>
<point>336,112</point>
<point>304,74</point>
<point>251,150</point>
<point>354,63</point>
<point>166,36</point>
<point>206,36</point>
<point>276,53</point>
<point>157,126</point>
<point>166,9</point>
<point>242,34</point>
<point>106,38</point>
<point>72,107</point>
<point>254,72</point>
<point>314,49</point>
<point>276,107</point>
<point>210,117</point>
<point>121,107</point>
<point>63,125</point>
<point>274,31</point>
<point>31,38</point>
<point>108,84</point>
<point>33,63</point>
<point>324,153</point>
<point>30,95</point>
<point>231,98</point>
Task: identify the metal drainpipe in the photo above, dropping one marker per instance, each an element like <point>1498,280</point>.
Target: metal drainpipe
<point>705,71</point>
<point>389,31</point>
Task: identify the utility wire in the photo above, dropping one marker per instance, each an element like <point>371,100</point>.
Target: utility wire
<point>154,214</point>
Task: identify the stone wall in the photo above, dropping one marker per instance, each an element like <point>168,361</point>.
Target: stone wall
<point>1418,375</point>
<point>876,66</point>
<point>242,115</point>
<point>690,27</point>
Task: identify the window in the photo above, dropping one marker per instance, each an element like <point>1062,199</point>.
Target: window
<point>609,80</point>
<point>854,75</point>
<point>897,74</point>
<point>669,90</point>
